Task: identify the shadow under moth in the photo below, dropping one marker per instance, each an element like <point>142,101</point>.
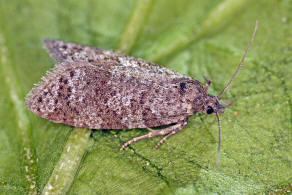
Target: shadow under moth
<point>104,89</point>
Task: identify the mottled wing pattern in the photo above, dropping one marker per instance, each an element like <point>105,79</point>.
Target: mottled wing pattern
<point>104,89</point>
<point>85,95</point>
<point>119,63</point>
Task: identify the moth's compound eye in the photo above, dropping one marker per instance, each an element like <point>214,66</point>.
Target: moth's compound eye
<point>210,110</point>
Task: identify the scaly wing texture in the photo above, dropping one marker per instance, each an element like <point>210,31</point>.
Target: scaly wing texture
<point>130,66</point>
<point>97,96</point>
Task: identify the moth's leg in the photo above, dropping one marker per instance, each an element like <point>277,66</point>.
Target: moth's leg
<point>152,130</point>
<point>165,131</point>
<point>182,124</point>
<point>151,134</point>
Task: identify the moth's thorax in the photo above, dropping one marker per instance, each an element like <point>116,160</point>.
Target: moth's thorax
<point>194,94</point>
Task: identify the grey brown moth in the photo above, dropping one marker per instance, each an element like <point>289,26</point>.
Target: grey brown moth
<point>104,89</point>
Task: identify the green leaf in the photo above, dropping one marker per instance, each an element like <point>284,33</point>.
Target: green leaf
<point>197,38</point>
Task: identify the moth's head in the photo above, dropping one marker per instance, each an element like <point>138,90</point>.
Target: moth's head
<point>212,105</point>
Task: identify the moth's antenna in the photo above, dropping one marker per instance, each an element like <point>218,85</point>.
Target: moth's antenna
<point>219,141</point>
<point>241,62</point>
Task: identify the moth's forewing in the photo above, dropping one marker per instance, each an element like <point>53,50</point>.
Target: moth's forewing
<point>83,95</point>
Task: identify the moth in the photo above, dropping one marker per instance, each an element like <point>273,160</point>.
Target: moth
<point>104,89</point>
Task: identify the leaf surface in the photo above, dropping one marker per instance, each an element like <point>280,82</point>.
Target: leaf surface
<point>196,38</point>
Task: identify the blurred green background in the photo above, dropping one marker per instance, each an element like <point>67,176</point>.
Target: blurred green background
<point>194,37</point>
